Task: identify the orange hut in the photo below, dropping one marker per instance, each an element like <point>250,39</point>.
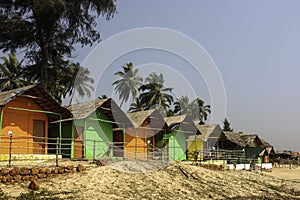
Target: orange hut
<point>25,114</point>
<point>140,140</point>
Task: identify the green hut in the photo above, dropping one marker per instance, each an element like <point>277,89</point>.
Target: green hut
<point>249,143</point>
<point>93,129</point>
<point>180,128</point>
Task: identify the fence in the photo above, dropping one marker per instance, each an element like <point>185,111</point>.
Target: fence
<point>30,148</point>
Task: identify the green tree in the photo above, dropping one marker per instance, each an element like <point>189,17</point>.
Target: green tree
<point>11,73</point>
<point>137,106</point>
<point>66,78</point>
<point>47,29</point>
<point>199,111</point>
<point>154,93</point>
<point>103,96</point>
<point>80,81</point>
<point>182,105</point>
<point>226,126</point>
<point>128,83</point>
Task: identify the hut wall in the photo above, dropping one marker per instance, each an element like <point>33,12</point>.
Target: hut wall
<point>97,130</point>
<point>177,146</point>
<point>21,123</point>
<point>193,147</point>
<point>66,142</point>
<point>136,142</point>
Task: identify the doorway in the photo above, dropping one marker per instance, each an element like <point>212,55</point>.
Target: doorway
<point>39,136</point>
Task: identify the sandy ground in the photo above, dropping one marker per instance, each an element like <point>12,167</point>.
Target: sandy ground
<point>150,180</point>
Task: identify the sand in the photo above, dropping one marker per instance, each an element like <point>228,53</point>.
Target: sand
<point>152,180</point>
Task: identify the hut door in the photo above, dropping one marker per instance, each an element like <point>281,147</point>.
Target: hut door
<point>38,136</point>
<point>118,140</point>
<point>78,142</point>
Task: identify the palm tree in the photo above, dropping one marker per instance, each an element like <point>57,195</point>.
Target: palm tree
<point>226,126</point>
<point>11,73</point>
<point>128,83</point>
<point>199,110</point>
<point>80,81</point>
<point>182,105</point>
<point>103,96</point>
<point>137,106</point>
<point>155,93</point>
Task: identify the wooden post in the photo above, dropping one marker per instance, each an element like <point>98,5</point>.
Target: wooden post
<point>57,150</point>
<point>94,151</point>
<point>10,147</point>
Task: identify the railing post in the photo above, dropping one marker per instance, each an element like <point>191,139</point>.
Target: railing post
<point>94,150</point>
<point>57,150</point>
<point>10,147</point>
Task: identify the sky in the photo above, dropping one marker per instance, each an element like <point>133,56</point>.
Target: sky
<point>254,44</point>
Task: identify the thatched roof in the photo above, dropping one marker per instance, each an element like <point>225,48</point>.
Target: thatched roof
<point>107,106</point>
<point>185,124</point>
<point>235,138</point>
<point>206,131</point>
<point>155,118</point>
<point>174,120</point>
<point>266,144</point>
<point>252,140</point>
<point>40,96</point>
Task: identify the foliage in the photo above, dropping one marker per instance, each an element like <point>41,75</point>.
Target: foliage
<point>12,74</point>
<point>181,105</point>
<point>47,32</point>
<point>154,93</point>
<point>128,83</point>
<point>103,96</point>
<point>137,105</point>
<point>226,126</point>
<point>199,111</point>
<point>196,109</point>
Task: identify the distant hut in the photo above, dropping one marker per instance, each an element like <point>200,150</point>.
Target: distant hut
<point>26,113</point>
<point>206,143</point>
<point>94,129</point>
<point>181,128</point>
<point>268,153</point>
<point>251,144</point>
<point>145,140</point>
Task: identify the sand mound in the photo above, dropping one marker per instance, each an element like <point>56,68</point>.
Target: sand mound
<point>174,181</point>
<point>137,166</point>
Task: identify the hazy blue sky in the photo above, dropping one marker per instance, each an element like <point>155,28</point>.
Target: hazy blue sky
<point>255,44</point>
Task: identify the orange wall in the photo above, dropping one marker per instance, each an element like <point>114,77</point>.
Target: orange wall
<point>21,124</point>
<point>136,147</point>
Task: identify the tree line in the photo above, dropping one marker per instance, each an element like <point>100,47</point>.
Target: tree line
<point>151,92</point>
<point>45,34</point>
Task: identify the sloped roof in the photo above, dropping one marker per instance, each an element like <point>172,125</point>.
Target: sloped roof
<point>235,138</point>
<point>83,110</point>
<point>107,106</point>
<point>185,124</point>
<point>266,144</point>
<point>138,118</point>
<point>40,96</point>
<point>250,139</point>
<point>173,120</point>
<point>205,130</point>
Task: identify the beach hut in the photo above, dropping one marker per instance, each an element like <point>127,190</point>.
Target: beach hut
<point>145,140</point>
<point>180,129</point>
<point>206,143</point>
<point>93,129</point>
<point>25,114</point>
<point>268,153</point>
<point>251,144</point>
